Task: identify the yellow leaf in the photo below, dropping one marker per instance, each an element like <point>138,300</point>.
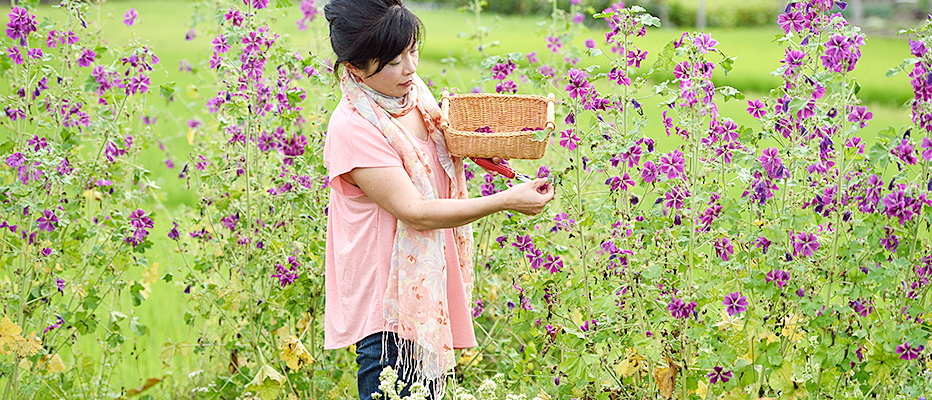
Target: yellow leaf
<point>9,334</point>
<point>191,136</point>
<point>53,364</point>
<point>28,346</point>
<point>25,364</point>
<point>267,383</point>
<point>702,389</point>
<point>665,377</point>
<point>169,350</point>
<point>730,322</point>
<point>470,355</point>
<point>790,328</point>
<point>294,354</point>
<point>151,274</point>
<point>632,363</point>
<point>543,395</point>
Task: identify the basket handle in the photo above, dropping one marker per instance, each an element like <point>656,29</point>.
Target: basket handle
<point>549,126</point>
<point>444,111</point>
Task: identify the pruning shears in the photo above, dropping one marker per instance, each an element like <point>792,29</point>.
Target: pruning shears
<point>505,170</point>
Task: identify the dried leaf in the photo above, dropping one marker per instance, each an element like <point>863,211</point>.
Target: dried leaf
<point>52,364</point>
<point>470,355</point>
<point>169,350</point>
<point>294,354</point>
<point>632,363</point>
<point>665,377</point>
<point>267,383</point>
<point>27,346</point>
<point>9,334</point>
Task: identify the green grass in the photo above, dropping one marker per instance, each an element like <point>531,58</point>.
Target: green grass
<point>162,26</point>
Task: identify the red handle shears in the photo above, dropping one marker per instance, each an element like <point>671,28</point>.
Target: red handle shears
<point>505,170</point>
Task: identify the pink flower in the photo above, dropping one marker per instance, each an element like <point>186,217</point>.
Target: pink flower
<point>130,17</point>
<point>805,244</point>
<point>673,164</point>
<point>569,139</point>
<point>756,109</point>
<point>926,149</point>
<point>860,115</point>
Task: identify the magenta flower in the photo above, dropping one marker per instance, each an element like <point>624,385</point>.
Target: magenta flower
<point>704,43</point>
<point>21,24</point>
<point>719,374</point>
<point>87,58</point>
<point>569,139</point>
<point>531,57</point>
<point>756,109</point>
<point>926,149</point>
<point>679,309</point>
<point>234,16</point>
<point>805,244</point>
<point>635,56</point>
<point>15,55</point>
<point>735,303</point>
<point>308,12</point>
<point>779,277</point>
<point>771,163</point>
<point>130,17</point>
<point>917,48</point>
<point>553,43</point>
<point>47,221</point>
<point>501,71</point>
<point>258,4</point>
<point>792,21</point>
<point>578,84</point>
<point>508,86</point>
<point>552,265</point>
<point>673,164</point>
<point>907,352</point>
<point>286,276</point>
<point>173,233</point>
<point>899,206</point>
<point>904,151</point>
<point>724,248</point>
<point>649,172</point>
<point>220,44</point>
<point>860,115</point>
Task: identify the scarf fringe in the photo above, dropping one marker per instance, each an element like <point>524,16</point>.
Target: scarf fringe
<point>417,364</point>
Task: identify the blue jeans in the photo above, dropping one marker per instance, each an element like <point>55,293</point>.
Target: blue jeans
<point>371,362</point>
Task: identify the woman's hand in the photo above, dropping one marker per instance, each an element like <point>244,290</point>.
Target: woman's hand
<point>529,197</point>
<point>495,160</point>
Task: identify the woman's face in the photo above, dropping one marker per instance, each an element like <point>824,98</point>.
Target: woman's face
<point>396,78</point>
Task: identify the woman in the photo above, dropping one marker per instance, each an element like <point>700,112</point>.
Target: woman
<point>399,247</point>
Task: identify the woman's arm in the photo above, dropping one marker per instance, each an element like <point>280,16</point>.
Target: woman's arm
<point>391,188</point>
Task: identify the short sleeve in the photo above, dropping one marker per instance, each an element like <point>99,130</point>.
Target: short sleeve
<point>352,142</point>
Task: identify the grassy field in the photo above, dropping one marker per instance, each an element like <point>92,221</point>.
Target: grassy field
<point>162,26</point>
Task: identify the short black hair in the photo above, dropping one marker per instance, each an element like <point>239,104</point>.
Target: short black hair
<point>366,30</point>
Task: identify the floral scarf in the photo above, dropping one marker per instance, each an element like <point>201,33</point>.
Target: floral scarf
<point>415,303</point>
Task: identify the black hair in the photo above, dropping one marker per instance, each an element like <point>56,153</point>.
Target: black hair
<point>366,30</point>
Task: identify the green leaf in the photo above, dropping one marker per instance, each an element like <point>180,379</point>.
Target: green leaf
<point>167,90</point>
<point>284,4</point>
<point>727,64</point>
<point>138,328</point>
<point>6,147</point>
<point>879,156</point>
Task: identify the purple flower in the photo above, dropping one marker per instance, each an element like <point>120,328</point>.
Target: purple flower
<point>904,151</point>
<point>173,233</point>
<point>531,57</point>
<point>926,149</point>
<point>60,285</point>
<point>501,71</point>
<point>15,55</point>
<point>230,221</point>
<point>771,163</point>
<point>258,4</point>
<point>779,277</point>
<point>917,48</point>
<point>130,17</point>
<point>724,248</point>
<point>220,44</point>
<point>21,24</point>
<point>308,13</point>
<point>46,251</point>
<point>860,115</point>
<point>87,58</point>
<point>543,172</point>
<point>719,374</point>
<point>590,44</point>
<point>552,265</point>
<point>578,84</point>
<point>907,352</point>
<point>138,219</point>
<point>569,139</point>
<point>477,310</point>
<point>649,172</point>
<point>47,221</point>
<point>635,56</point>
<point>704,43</point>
<point>523,243</point>
<point>673,164</point>
<point>679,309</point>
<point>805,244</point>
<point>553,43</point>
<point>898,206</point>
<point>286,276</point>
<point>792,21</point>
<point>756,109</point>
<point>735,304</point>
<point>508,86</point>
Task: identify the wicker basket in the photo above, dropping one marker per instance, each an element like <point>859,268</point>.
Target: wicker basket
<point>506,115</point>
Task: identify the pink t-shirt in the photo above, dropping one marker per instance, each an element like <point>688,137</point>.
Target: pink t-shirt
<point>360,235</point>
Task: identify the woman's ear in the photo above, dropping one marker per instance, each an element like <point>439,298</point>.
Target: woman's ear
<point>353,70</point>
